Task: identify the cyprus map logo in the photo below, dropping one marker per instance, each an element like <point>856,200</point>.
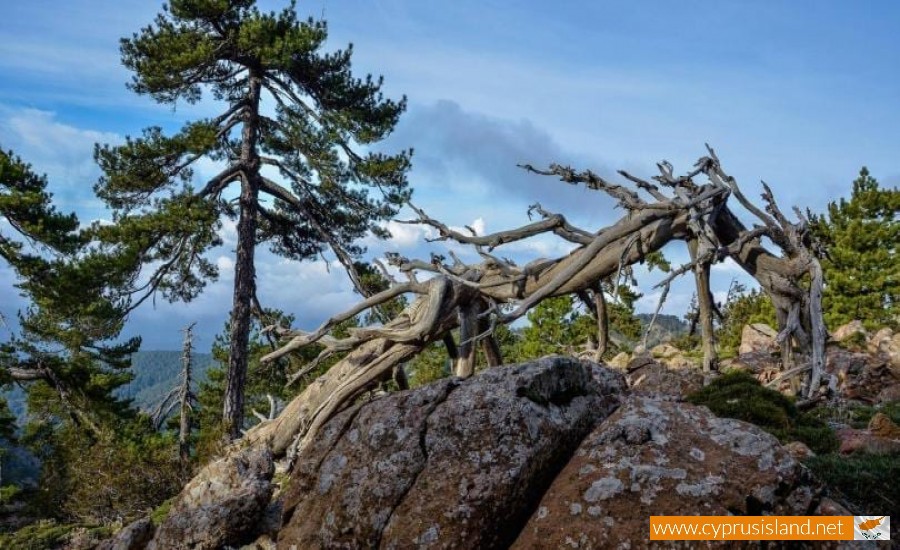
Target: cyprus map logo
<point>871,527</point>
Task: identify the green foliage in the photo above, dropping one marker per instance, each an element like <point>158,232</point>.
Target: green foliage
<point>622,320</point>
<point>8,493</point>
<point>41,535</point>
<point>160,512</point>
<point>555,327</point>
<point>739,395</point>
<point>430,365</point>
<point>559,326</point>
<point>863,481</point>
<point>862,268</point>
<point>510,342</point>
<point>286,105</point>
<point>321,116</point>
<point>124,474</point>
<point>656,260</point>
<point>7,423</point>
<point>50,535</point>
<point>855,342</point>
<point>263,380</point>
<point>62,353</point>
<point>742,308</point>
<point>26,206</point>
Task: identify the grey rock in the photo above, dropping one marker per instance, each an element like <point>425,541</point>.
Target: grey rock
<point>758,337</point>
<point>133,536</point>
<point>456,464</point>
<point>224,504</point>
<point>661,457</point>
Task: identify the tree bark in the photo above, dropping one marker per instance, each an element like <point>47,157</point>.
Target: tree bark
<point>602,323</point>
<point>489,346</point>
<point>455,294</point>
<point>468,330</point>
<point>351,375</point>
<point>244,271</point>
<point>817,327</point>
<point>185,424</point>
<point>704,310</point>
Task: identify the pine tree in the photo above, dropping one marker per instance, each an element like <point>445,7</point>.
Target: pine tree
<point>64,353</point>
<point>862,267</point>
<point>558,326</point>
<point>75,310</point>
<point>294,138</point>
<point>267,385</point>
<point>742,307</point>
<point>555,327</point>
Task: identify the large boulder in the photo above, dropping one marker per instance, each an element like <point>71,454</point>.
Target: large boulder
<point>672,357</point>
<point>620,361</point>
<point>758,337</point>
<point>656,457</point>
<point>134,536</point>
<point>889,394</point>
<point>664,351</point>
<point>456,464</point>
<point>222,505</point>
<point>882,426</point>
<point>759,363</point>
<point>886,345</point>
<point>861,376</point>
<point>880,341</point>
<point>864,441</point>
<point>853,329</point>
<point>648,376</point>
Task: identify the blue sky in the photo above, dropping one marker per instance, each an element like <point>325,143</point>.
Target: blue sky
<point>799,94</point>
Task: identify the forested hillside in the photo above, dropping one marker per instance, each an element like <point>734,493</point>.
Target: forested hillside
<point>156,372</point>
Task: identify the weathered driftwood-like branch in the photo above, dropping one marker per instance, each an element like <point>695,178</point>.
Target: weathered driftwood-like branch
<point>469,296</point>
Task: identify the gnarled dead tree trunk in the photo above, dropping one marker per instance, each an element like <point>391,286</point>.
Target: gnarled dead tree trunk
<point>186,396</point>
<point>470,296</point>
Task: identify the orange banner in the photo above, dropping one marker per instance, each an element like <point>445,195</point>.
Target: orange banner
<point>751,527</point>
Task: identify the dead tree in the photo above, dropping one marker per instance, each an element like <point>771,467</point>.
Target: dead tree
<point>475,297</point>
<point>181,396</point>
<point>704,308</point>
<point>186,396</point>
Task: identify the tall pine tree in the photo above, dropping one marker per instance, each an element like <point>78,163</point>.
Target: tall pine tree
<point>862,270</point>
<point>294,141</point>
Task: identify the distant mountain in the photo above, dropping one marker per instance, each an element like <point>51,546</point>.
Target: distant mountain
<point>666,327</point>
<point>156,372</point>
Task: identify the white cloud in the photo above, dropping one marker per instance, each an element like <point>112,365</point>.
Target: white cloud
<point>228,232</point>
<point>720,296</point>
<point>49,144</point>
<point>727,266</point>
<point>224,263</point>
<point>61,151</point>
<point>404,235</point>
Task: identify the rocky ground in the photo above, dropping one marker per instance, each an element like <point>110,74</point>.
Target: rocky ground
<point>555,453</point>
